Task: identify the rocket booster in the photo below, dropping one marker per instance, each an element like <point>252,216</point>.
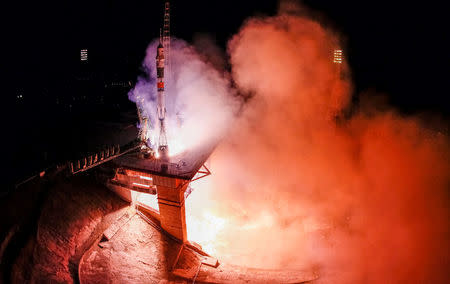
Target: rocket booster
<point>161,108</point>
<point>160,81</point>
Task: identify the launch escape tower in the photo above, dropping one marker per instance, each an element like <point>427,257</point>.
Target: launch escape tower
<point>166,38</point>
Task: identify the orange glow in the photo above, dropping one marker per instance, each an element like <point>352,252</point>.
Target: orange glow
<point>139,174</point>
<point>206,230</point>
<point>150,200</point>
<point>303,176</point>
<point>295,182</point>
<point>146,178</point>
<point>141,185</point>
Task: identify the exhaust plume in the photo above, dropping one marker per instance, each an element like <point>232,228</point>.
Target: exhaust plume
<point>198,97</point>
<point>295,184</point>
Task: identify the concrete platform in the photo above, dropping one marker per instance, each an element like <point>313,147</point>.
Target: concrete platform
<point>181,166</point>
<point>140,253</point>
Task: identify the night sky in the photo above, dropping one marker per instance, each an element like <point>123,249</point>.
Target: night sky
<point>392,48</point>
<point>396,50</point>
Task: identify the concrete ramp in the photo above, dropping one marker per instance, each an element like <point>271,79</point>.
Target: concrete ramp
<point>109,233</point>
<point>140,253</point>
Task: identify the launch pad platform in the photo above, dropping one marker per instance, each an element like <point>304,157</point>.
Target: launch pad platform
<point>182,166</point>
<point>166,178</point>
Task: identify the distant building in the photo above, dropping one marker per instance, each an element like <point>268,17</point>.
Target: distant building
<point>84,55</point>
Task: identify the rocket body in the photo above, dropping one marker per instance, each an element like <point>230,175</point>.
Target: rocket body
<point>160,82</point>
<point>161,107</point>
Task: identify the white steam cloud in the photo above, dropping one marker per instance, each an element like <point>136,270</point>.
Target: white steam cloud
<point>199,99</point>
<point>363,199</point>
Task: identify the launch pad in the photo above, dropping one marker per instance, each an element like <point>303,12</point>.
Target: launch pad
<point>183,166</point>
<point>168,179</point>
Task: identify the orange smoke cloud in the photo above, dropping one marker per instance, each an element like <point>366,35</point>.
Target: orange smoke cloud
<point>364,199</point>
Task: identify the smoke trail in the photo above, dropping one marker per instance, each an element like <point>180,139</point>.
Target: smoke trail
<point>294,184</point>
<point>199,98</point>
<point>365,199</point>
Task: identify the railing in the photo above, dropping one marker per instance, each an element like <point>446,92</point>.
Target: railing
<point>99,158</point>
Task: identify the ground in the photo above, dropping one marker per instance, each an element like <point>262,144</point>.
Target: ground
<point>140,253</point>
<point>58,236</point>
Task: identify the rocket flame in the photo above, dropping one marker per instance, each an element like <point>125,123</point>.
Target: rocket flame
<point>294,181</point>
<point>296,186</point>
<point>206,230</point>
<point>176,146</point>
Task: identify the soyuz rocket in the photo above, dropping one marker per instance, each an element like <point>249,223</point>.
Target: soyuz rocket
<point>161,107</point>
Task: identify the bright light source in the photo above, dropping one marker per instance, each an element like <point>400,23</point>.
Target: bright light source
<point>150,200</point>
<point>337,56</point>
<point>147,178</point>
<point>84,55</point>
<point>142,185</point>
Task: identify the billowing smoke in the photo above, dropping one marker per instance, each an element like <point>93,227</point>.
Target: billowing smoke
<point>198,97</point>
<point>296,184</point>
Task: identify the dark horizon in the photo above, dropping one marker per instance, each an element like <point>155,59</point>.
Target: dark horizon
<point>391,48</point>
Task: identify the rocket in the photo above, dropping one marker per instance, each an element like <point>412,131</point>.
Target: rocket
<point>160,81</point>
<point>161,107</point>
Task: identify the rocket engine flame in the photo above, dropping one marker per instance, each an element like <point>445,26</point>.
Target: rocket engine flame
<point>295,183</point>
